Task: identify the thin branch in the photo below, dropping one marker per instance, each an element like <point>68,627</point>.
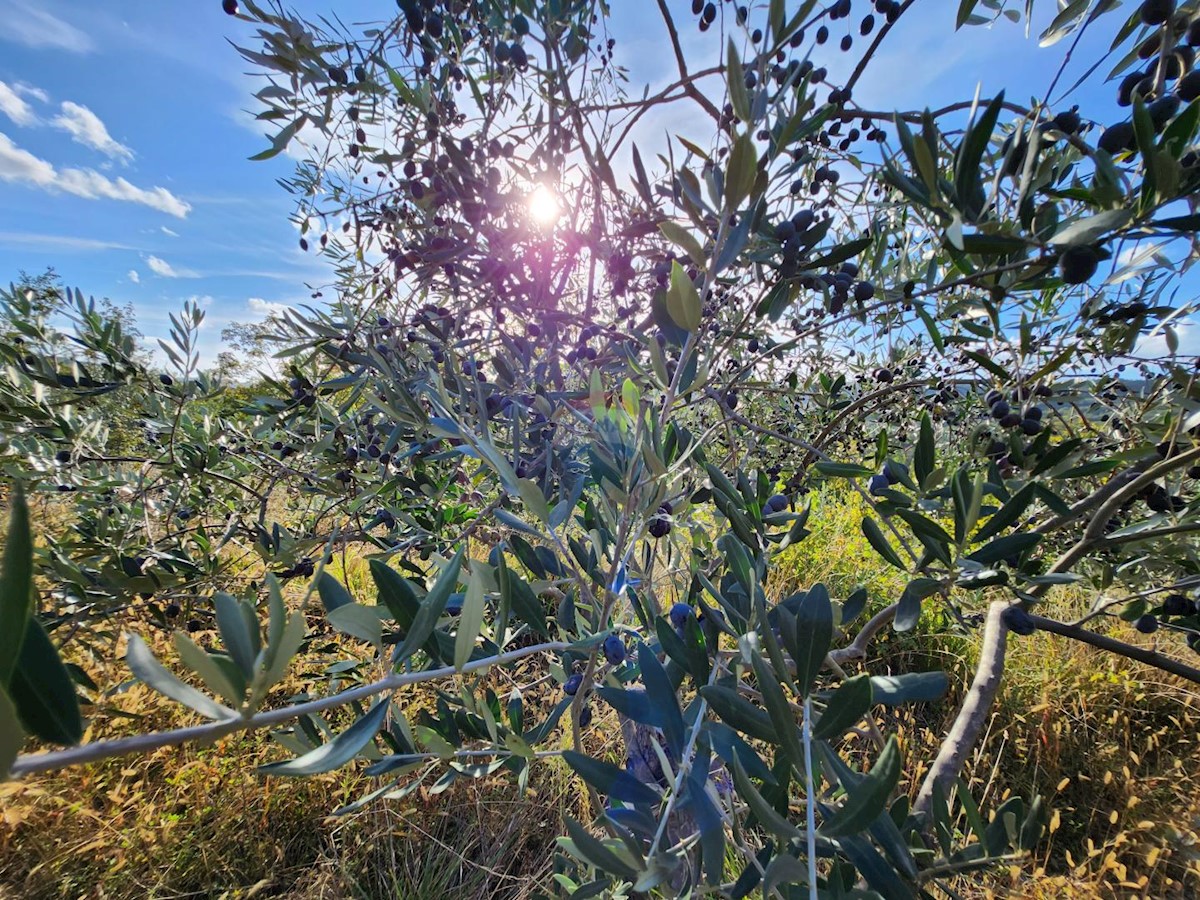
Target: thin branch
<point>689,87</point>
<point>1103,642</point>
<point>857,649</point>
<point>143,743</point>
<point>1094,533</point>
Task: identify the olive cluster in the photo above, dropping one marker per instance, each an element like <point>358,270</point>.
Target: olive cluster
<point>1171,51</point>
<point>1028,419</point>
<point>1179,612</point>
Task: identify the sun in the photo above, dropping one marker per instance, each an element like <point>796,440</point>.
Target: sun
<point>543,206</point>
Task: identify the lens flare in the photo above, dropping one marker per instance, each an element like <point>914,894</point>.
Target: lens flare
<point>543,206</point>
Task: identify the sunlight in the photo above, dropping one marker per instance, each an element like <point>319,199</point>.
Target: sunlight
<point>543,206</point>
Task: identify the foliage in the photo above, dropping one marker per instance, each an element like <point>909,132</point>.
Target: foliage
<point>584,437</point>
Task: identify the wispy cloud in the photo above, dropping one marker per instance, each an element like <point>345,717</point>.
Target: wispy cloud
<point>167,231</point>
<point>164,269</point>
<point>58,241</point>
<point>28,23</point>
<point>134,276</point>
<point>22,167</point>
<point>85,128</point>
<point>13,105</point>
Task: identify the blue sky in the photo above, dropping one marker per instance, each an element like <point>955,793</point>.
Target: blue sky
<point>125,132</point>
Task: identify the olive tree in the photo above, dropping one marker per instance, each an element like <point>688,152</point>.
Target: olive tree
<point>572,397</point>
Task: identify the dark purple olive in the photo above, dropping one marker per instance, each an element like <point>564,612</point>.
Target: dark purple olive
<point>679,615</point>
<point>614,649</point>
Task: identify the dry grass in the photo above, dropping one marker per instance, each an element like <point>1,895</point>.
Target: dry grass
<point>1110,744</point>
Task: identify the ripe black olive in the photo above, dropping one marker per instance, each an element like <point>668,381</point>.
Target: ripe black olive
<point>1078,264</point>
<point>1155,12</point>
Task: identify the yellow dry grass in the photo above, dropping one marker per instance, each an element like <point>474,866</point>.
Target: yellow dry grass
<point>1110,744</point>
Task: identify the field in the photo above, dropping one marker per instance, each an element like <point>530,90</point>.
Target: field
<point>1111,747</point>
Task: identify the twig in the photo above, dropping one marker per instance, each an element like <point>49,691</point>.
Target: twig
<point>143,743</point>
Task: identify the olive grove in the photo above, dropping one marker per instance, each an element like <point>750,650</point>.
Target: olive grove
<point>571,394</point>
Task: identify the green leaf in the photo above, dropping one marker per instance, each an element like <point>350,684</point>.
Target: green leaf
<point>931,535</point>
<point>337,752</point>
<point>911,687</point>
<point>842,470</point>
<point>1006,515</point>
<point>884,880</point>
<point>762,810</point>
<point>737,711</point>
<point>965,8</point>
<point>742,171</point>
<point>661,693</point>
<point>1090,229</point>
<point>610,780</point>
<point>924,457</point>
<point>289,644</point>
<point>235,633</point>
<point>845,707</point>
<point>727,744</point>
<point>787,735</point>
<point>143,664</point>
<point>533,498</point>
<point>333,593</point>
<point>812,636</point>
<point>522,600</point>
<point>16,584</point>
<point>1002,548</point>
<point>592,851</point>
<point>908,610</point>
<point>470,620</point>
<point>276,618</point>
<point>839,254</point>
<point>358,621</point>
<point>681,237</point>
<point>867,799</point>
<point>633,704</point>
<point>42,690</point>
<point>986,362</point>
<point>735,79</point>
<point>431,609</point>
<point>396,592</point>
<point>875,538</point>
<point>683,300</point>
<point>968,178</point>
<point>12,736</point>
<point>642,182</point>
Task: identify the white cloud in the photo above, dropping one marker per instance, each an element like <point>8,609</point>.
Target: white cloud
<point>85,128</point>
<point>28,90</point>
<point>27,23</point>
<point>161,267</point>
<point>204,302</point>
<point>13,106</point>
<point>266,307</point>
<point>167,231</point>
<point>134,276</point>
<point>1187,335</point>
<point>23,167</point>
<point>58,241</point>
